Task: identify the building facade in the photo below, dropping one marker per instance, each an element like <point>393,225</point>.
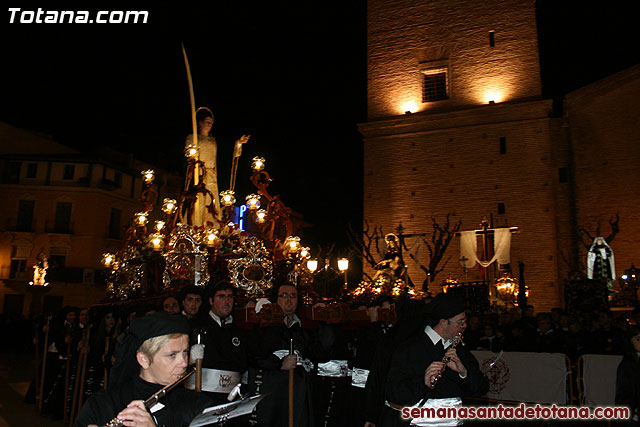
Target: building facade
<point>457,125</point>
<point>66,206</point>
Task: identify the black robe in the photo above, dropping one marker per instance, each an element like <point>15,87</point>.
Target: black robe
<point>405,382</point>
<point>226,348</point>
<point>266,375</point>
<point>180,405</point>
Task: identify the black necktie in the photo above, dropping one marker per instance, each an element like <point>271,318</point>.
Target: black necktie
<point>439,347</point>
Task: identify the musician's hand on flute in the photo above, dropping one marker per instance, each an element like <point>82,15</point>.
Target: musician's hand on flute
<point>135,414</point>
<point>431,371</point>
<point>455,363</point>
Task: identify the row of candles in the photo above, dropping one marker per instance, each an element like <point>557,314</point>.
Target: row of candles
<point>227,199</point>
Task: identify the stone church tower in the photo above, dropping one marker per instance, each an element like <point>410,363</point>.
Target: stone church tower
<point>457,125</point>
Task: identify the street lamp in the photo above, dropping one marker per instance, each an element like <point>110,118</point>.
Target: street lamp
<point>343,266</point>
<point>312,265</point>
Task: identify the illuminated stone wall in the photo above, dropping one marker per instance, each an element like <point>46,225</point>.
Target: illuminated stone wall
<point>405,35</point>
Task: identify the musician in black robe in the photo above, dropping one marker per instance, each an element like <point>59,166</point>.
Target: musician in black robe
<point>225,345</point>
<point>269,372</point>
<point>416,363</point>
<point>153,354</point>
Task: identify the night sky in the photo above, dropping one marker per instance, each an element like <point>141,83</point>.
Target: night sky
<point>292,75</point>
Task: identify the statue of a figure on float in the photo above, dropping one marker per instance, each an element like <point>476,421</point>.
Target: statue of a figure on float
<point>207,155</point>
<point>600,262</point>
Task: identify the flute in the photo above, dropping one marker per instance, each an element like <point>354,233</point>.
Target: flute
<point>155,398</point>
<point>454,343</point>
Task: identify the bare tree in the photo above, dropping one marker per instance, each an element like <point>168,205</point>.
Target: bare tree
<point>441,237</point>
<point>615,228</point>
<point>367,245</point>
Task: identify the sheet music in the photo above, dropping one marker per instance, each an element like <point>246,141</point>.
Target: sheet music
<point>226,411</point>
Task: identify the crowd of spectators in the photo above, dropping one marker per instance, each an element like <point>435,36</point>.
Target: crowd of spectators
<point>548,332</point>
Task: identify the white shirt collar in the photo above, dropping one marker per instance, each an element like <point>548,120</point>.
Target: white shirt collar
<point>218,320</point>
<point>434,337</point>
<point>293,322</point>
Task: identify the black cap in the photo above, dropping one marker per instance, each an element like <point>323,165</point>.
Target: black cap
<point>141,329</point>
<point>444,306</point>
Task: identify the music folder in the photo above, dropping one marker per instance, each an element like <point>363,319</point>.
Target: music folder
<point>226,411</point>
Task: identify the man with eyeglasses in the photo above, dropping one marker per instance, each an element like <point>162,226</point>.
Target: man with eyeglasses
<point>420,376</point>
<point>269,373</point>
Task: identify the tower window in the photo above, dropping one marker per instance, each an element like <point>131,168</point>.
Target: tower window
<point>501,209</point>
<point>435,80</point>
<point>492,39</point>
<point>503,145</point>
<point>435,85</point>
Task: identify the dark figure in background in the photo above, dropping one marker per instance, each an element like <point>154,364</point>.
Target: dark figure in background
<point>417,362</point>
<point>366,342</point>
<point>171,305</point>
<point>154,353</point>
<point>270,367</point>
<point>490,340</point>
<point>333,399</point>
<point>474,332</point>
<point>410,323</point>
<point>547,340</point>
<point>103,343</point>
<point>628,377</point>
<point>606,337</point>
<point>191,299</point>
<point>58,352</point>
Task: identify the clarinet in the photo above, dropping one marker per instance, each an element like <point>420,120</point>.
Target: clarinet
<point>454,343</point>
<point>150,402</point>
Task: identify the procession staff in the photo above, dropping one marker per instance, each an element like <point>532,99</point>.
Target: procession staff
<point>153,353</point>
<point>417,363</point>
<point>67,371</point>
<point>40,387</point>
<point>78,389</point>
